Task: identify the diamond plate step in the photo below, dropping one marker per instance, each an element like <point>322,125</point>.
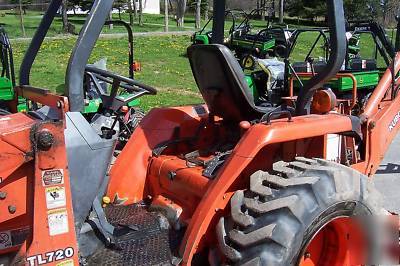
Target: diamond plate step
<point>149,245</point>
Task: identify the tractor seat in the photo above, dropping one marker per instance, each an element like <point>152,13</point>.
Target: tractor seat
<point>222,84</point>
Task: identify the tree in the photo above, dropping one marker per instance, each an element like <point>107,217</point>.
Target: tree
<point>120,4</point>
<point>180,12</point>
<point>166,21</point>
<point>140,12</point>
<point>206,10</point>
<point>83,4</point>
<point>67,26</point>
<point>135,9</point>
<point>131,4</point>
<point>21,17</point>
<point>198,14</point>
<point>23,4</point>
<point>281,10</point>
<point>361,9</point>
<point>308,9</point>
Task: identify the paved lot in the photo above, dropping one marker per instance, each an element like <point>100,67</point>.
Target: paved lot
<point>387,178</point>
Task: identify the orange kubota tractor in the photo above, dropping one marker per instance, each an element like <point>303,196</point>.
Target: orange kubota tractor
<point>228,182</point>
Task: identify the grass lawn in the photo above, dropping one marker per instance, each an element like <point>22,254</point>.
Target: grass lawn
<point>152,23</point>
<point>163,66</point>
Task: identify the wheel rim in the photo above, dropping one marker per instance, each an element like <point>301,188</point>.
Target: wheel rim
<point>339,242</point>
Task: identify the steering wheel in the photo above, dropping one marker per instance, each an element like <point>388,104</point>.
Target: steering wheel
<point>115,101</point>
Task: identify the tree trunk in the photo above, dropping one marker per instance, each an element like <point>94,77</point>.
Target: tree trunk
<point>166,21</point>
<point>198,14</point>
<point>281,10</point>
<point>110,26</point>
<point>64,16</point>
<point>21,18</point>
<point>135,8</point>
<point>263,10</point>
<point>207,7</point>
<point>140,12</point>
<point>180,13</point>
<point>130,4</point>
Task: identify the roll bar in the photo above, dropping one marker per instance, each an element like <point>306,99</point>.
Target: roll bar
<point>80,55</point>
<point>36,43</point>
<point>218,22</point>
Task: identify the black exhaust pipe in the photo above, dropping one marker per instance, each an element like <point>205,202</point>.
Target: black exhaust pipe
<point>338,45</point>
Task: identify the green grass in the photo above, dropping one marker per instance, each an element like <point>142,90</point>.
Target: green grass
<point>164,66</point>
<point>152,23</point>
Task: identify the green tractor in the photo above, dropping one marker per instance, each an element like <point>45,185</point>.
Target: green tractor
<point>204,36</point>
<point>267,42</point>
<point>368,55</point>
<point>369,52</point>
<point>7,77</point>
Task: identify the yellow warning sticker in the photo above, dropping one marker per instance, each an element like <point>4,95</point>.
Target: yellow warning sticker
<point>66,263</point>
<point>55,197</point>
<point>58,221</point>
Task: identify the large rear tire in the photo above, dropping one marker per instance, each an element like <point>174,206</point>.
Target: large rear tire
<point>302,213</point>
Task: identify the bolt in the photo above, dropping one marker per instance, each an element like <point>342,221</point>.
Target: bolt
<point>12,209</point>
<point>171,175</point>
<point>307,255</point>
<point>3,195</point>
<point>59,104</point>
<point>45,140</point>
<point>1,180</point>
<point>372,125</point>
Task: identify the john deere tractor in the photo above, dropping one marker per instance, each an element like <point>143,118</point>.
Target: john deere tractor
<point>7,75</point>
<point>271,40</point>
<point>368,54</point>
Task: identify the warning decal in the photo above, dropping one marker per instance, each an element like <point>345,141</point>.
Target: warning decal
<point>55,197</point>
<point>53,177</point>
<point>5,240</point>
<point>58,221</point>
<point>66,263</point>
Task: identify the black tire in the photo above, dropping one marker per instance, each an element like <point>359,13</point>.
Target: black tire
<point>273,221</point>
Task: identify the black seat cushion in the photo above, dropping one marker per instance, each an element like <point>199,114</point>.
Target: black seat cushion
<point>221,82</point>
<point>358,64</point>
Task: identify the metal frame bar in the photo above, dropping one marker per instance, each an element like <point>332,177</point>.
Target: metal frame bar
<point>37,41</point>
<point>130,40</point>
<point>81,53</point>
<point>218,22</point>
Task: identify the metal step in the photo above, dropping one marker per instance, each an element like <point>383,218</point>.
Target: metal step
<point>142,238</point>
<point>387,178</point>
